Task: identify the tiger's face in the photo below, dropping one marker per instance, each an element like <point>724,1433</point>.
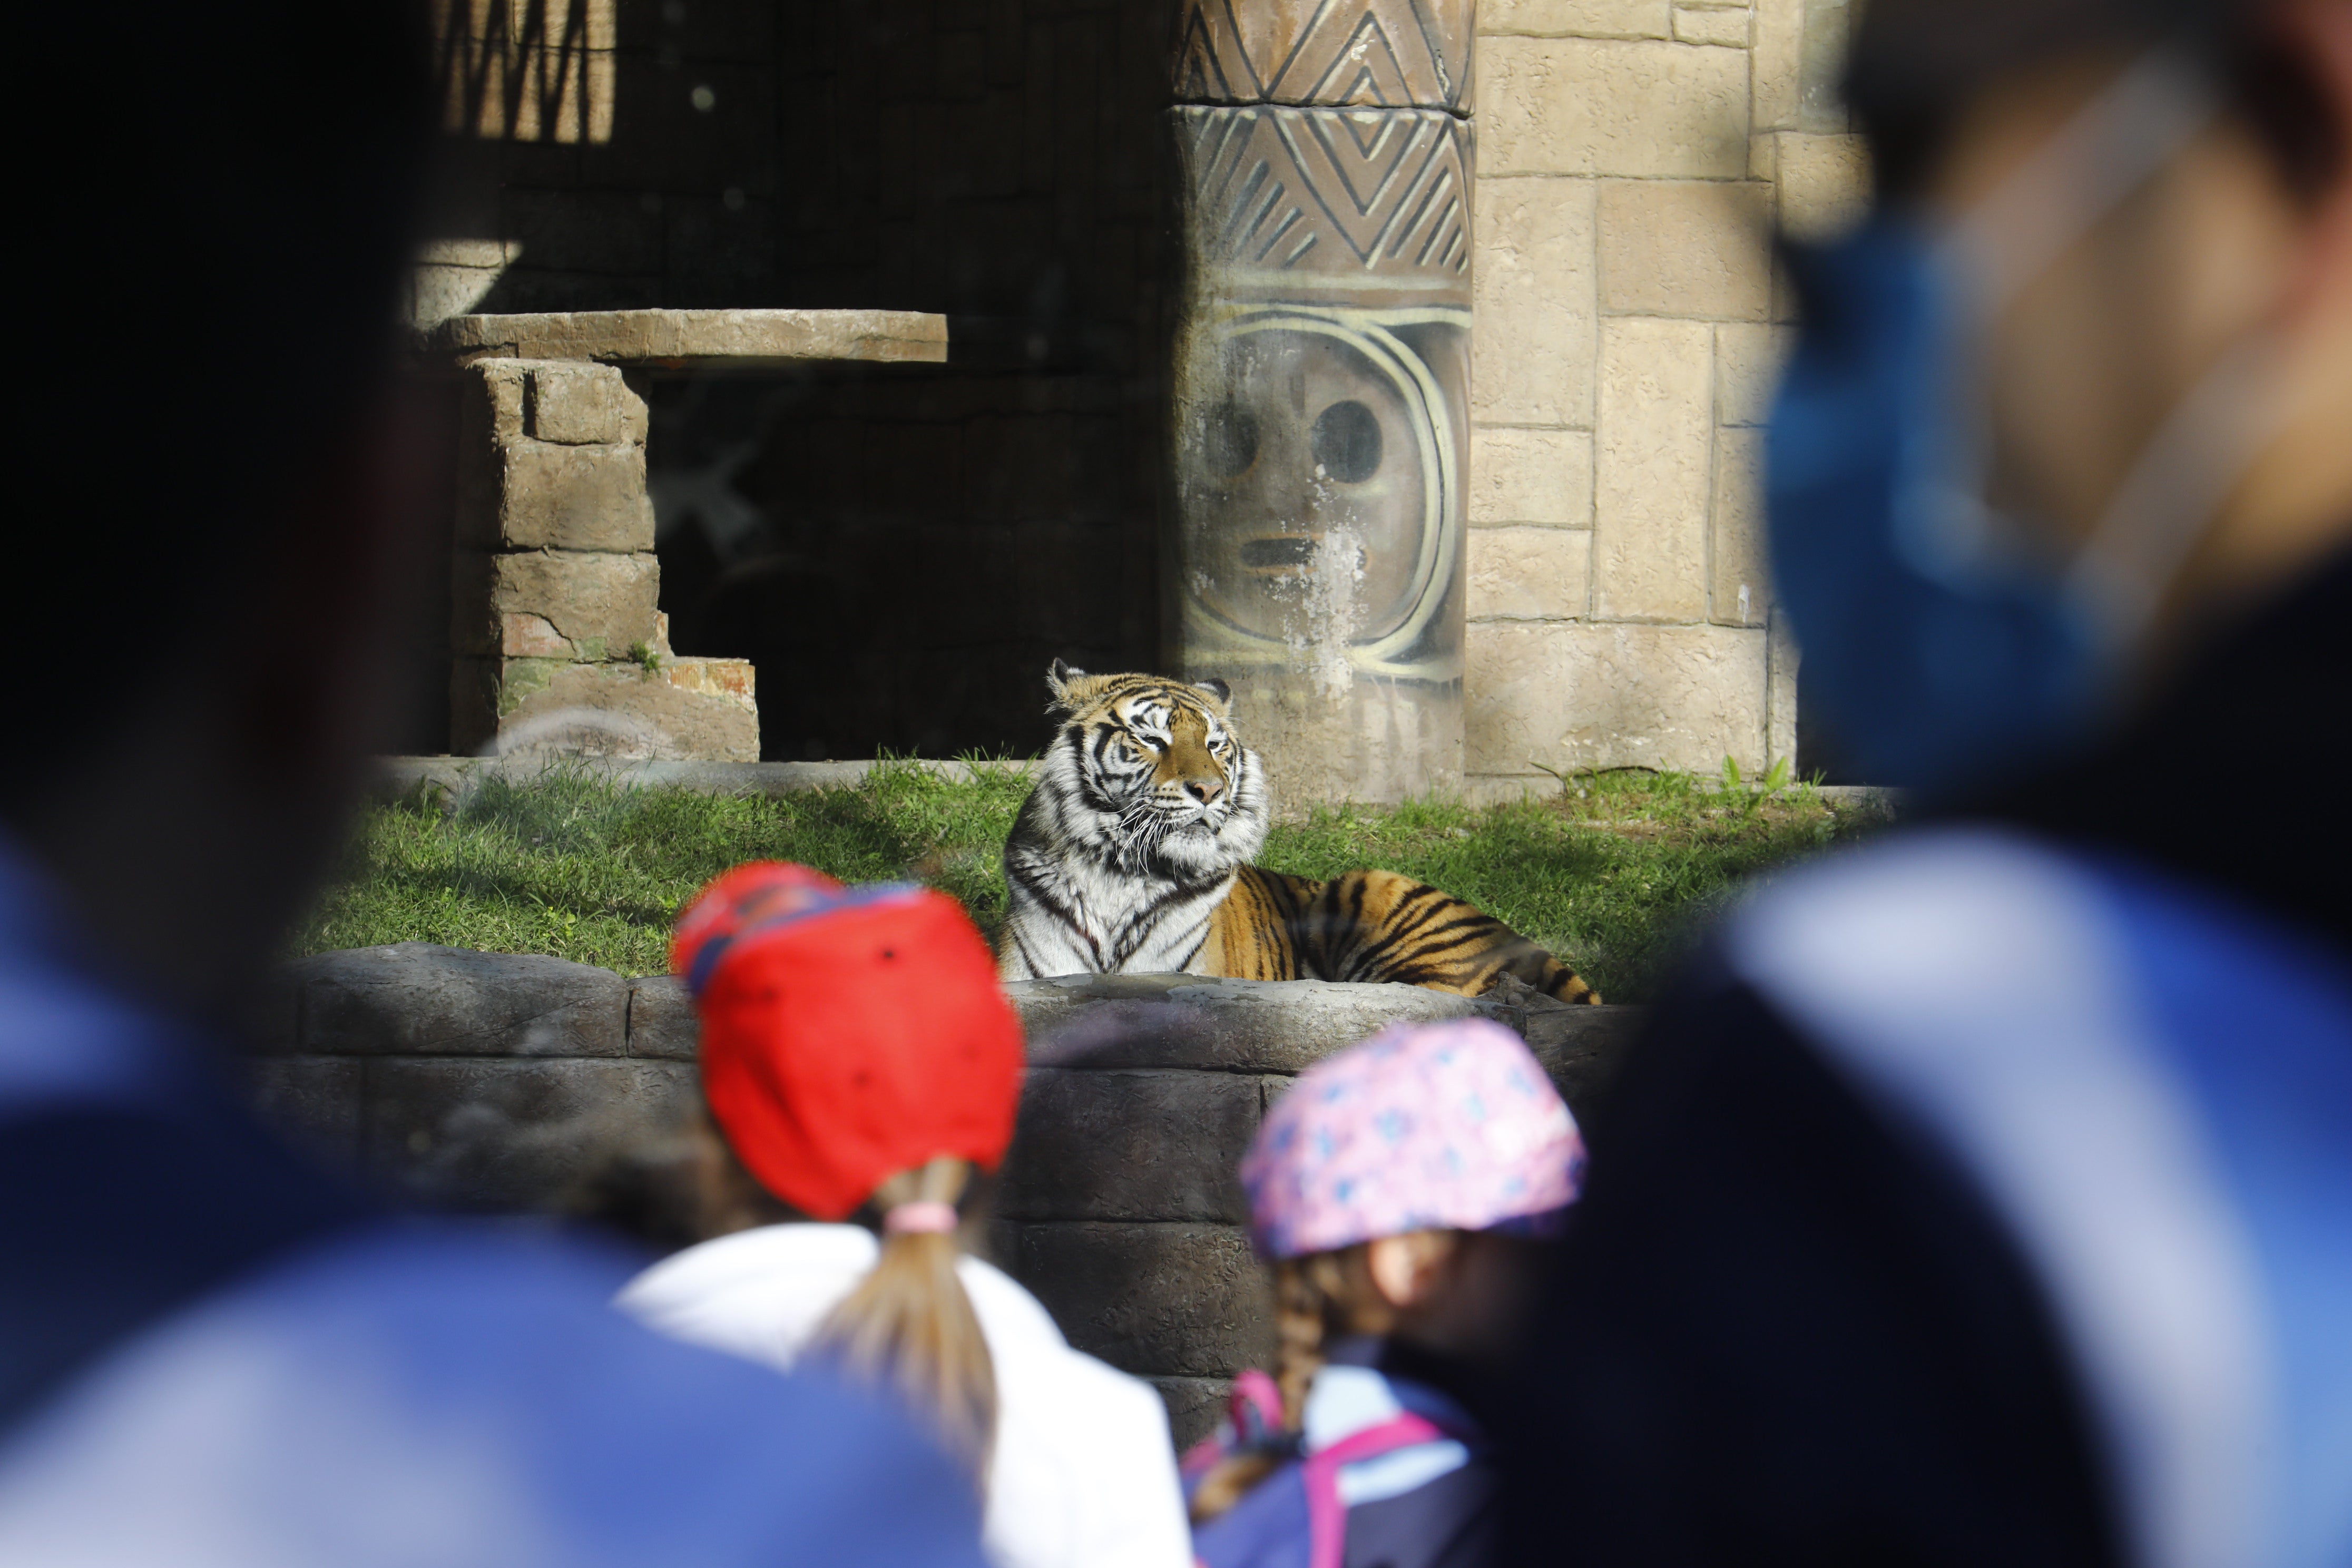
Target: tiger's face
<point>1157,764</point>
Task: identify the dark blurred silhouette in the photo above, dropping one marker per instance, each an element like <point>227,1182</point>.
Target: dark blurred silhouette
<point>1984,1196</point>
<point>208,1354</point>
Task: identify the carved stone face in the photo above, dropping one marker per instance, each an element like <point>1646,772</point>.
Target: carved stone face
<point>1309,496</point>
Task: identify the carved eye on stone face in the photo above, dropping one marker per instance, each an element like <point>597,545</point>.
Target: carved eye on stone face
<point>1229,440</point>
<point>1345,442</point>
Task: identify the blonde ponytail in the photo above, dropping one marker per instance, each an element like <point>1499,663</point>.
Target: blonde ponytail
<point>909,1325</point>
<point>1317,1298</point>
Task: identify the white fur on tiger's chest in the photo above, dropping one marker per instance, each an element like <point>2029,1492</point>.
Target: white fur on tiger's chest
<point>1128,842</point>
<point>1080,918</point>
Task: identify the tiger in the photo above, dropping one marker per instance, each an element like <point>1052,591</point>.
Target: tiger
<point>1132,855</point>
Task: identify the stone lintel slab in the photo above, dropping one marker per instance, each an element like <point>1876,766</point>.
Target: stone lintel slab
<point>693,339</point>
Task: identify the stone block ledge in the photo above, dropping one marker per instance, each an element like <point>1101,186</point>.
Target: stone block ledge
<point>506,1083</point>
<point>1141,1094</point>
<point>692,340</point>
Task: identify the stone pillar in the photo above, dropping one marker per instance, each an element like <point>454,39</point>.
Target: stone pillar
<point>556,635</point>
<point>1321,383</point>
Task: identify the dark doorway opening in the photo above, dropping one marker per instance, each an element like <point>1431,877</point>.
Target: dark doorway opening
<point>901,551</point>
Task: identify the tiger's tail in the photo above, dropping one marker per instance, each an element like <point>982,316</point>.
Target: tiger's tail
<point>1548,974</point>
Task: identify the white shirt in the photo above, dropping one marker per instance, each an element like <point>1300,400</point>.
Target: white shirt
<point>1083,1474</point>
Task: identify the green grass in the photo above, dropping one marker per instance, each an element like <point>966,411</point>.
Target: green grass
<point>1606,874</point>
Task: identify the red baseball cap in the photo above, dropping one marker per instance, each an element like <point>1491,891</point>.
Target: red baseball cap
<point>847,1033</point>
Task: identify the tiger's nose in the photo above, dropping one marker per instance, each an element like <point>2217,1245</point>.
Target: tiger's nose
<point>1204,790</point>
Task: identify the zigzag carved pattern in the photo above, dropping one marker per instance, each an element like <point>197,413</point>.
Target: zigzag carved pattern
<point>1388,54</point>
<point>1327,190</point>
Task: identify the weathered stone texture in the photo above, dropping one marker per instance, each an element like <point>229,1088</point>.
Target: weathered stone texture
<point>1110,1021</point>
<point>1726,27</point>
<point>417,999</point>
<point>503,1135</point>
<point>684,709</point>
<point>661,1019</point>
<point>1798,52</point>
<point>584,404</point>
<point>1653,455</point>
<point>1644,110</point>
<point>1149,1145</point>
<point>1571,694</point>
<point>685,339</point>
<point>1530,477</point>
<point>1576,18</point>
<point>1162,1298</point>
<point>545,496</point>
<point>1681,247</point>
<point>1195,1405</point>
<point>1823,181</point>
<point>599,603</point>
<point>1748,359</point>
<point>1739,592</point>
<point>1580,1048</point>
<point>1305,51</point>
<point>491,399</point>
<point>1528,573</point>
<point>1531,331</point>
<point>1781,689</point>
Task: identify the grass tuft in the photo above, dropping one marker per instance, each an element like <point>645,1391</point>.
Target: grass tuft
<point>1608,874</point>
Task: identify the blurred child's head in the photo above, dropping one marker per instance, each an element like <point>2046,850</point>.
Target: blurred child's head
<point>1398,1183</point>
<point>859,1059</point>
<point>1400,1189</point>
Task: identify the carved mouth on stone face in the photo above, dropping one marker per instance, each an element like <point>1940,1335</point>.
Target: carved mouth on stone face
<point>1285,553</point>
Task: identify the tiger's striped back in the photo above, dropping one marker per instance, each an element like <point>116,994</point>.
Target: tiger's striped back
<point>1372,926</point>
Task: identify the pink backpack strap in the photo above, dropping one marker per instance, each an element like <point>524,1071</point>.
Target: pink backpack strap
<point>1326,1516</point>
<point>1252,1413</point>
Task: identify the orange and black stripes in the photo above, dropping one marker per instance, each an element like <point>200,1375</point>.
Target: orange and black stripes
<point>1374,926</point>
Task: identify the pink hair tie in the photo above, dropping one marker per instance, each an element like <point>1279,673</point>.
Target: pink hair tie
<point>926,1217</point>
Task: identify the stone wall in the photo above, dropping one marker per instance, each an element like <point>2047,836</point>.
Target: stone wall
<point>1633,156</point>
<point>502,1083</point>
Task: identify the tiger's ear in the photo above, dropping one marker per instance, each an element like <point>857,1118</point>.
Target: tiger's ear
<point>1058,679</point>
<point>1217,688</point>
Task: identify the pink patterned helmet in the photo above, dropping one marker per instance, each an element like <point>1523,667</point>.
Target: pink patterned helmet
<point>1441,1126</point>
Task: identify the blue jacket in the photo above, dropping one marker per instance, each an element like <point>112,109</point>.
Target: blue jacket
<point>211,1356</point>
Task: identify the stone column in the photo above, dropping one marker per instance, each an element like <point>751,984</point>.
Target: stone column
<point>556,640</point>
<point>1321,382</point>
